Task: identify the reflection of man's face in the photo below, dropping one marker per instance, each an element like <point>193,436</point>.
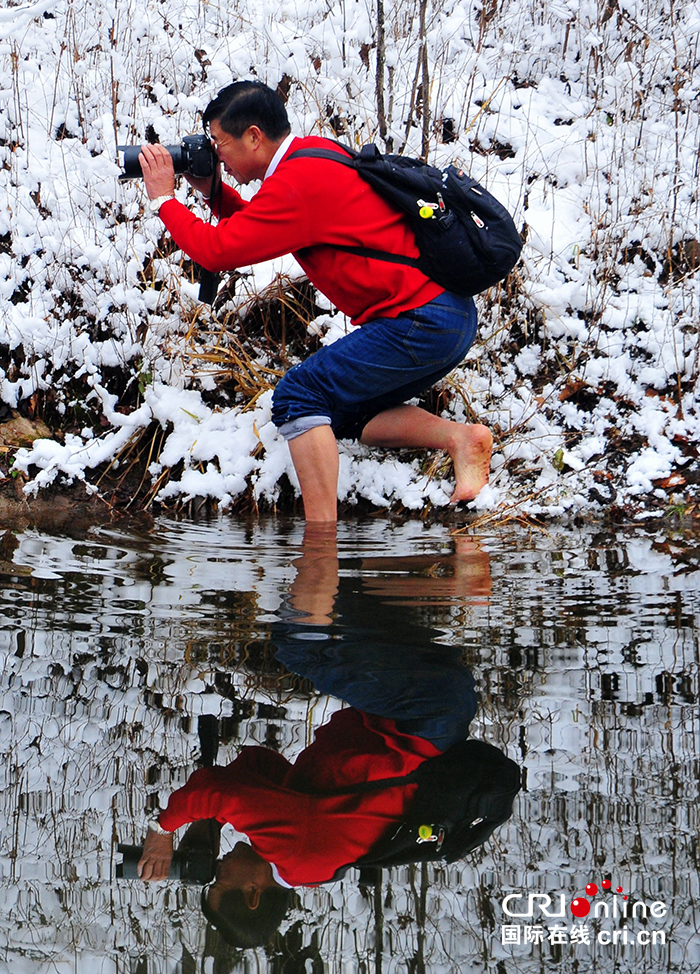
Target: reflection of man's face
<point>243,869</point>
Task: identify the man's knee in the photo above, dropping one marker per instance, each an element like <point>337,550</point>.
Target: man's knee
<point>297,396</point>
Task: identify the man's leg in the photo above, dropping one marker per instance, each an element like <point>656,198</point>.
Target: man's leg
<point>368,372</point>
<point>315,459</point>
<point>469,445</point>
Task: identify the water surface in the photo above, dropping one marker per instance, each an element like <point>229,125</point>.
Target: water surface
<point>117,647</point>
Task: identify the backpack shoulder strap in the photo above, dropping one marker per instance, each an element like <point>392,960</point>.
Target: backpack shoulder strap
<point>352,162</point>
<point>384,255</point>
<point>367,153</point>
<point>330,154</point>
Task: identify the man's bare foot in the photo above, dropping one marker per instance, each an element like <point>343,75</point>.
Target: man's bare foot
<point>471,458</point>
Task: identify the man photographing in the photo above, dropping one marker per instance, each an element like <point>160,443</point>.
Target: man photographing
<point>413,331</point>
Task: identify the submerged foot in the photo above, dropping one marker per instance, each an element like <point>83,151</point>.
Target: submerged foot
<point>471,458</point>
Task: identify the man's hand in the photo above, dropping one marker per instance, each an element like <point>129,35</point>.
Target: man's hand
<point>203,184</point>
<point>158,171</point>
<point>154,864</point>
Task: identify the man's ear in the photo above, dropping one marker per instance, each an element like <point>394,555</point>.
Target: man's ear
<point>253,136</point>
<point>251,895</point>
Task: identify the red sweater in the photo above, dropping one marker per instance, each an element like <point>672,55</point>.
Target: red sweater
<point>312,203</point>
<point>286,809</point>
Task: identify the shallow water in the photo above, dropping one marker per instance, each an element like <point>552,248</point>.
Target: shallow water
<point>119,647</point>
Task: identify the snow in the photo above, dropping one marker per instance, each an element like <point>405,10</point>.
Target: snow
<point>585,124</point>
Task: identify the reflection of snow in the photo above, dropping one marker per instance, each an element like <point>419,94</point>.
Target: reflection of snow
<point>110,649</point>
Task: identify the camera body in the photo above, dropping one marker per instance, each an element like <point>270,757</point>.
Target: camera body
<point>194,156</point>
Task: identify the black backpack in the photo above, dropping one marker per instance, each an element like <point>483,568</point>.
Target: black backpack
<point>466,238</point>
<point>462,796</point>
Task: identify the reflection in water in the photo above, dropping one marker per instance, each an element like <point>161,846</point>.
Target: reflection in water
<point>388,780</point>
<point>115,650</point>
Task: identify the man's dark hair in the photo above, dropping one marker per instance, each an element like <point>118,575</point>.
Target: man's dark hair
<point>243,927</point>
<point>246,103</point>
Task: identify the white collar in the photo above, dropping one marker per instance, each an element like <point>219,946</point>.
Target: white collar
<point>277,158</point>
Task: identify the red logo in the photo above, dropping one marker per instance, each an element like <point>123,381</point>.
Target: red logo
<point>581,906</point>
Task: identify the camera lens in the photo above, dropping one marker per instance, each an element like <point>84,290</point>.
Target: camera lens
<point>197,867</point>
<point>194,156</point>
<point>180,158</point>
<point>131,164</point>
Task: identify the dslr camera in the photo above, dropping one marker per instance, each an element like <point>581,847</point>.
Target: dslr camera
<point>194,157</point>
<point>195,867</point>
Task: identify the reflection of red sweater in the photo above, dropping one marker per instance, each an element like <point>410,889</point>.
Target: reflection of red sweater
<point>309,203</point>
<point>285,809</point>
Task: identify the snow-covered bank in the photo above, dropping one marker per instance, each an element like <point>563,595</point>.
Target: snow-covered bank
<point>582,117</point>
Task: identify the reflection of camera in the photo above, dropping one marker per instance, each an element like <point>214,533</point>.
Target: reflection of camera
<point>195,867</point>
<point>194,156</point>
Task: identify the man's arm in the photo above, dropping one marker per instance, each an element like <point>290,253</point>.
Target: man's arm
<point>278,220</point>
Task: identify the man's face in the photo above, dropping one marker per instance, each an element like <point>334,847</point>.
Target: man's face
<point>243,869</point>
<point>239,156</point>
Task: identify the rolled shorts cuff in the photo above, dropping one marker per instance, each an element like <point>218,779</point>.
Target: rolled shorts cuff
<point>295,427</point>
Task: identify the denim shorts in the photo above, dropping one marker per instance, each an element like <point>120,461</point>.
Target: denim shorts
<point>425,687</point>
<point>378,366</point>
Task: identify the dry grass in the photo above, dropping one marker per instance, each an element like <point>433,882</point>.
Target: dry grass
<point>245,347</point>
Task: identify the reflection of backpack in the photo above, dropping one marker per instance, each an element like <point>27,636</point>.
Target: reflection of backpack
<point>462,796</point>
<point>466,238</point>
